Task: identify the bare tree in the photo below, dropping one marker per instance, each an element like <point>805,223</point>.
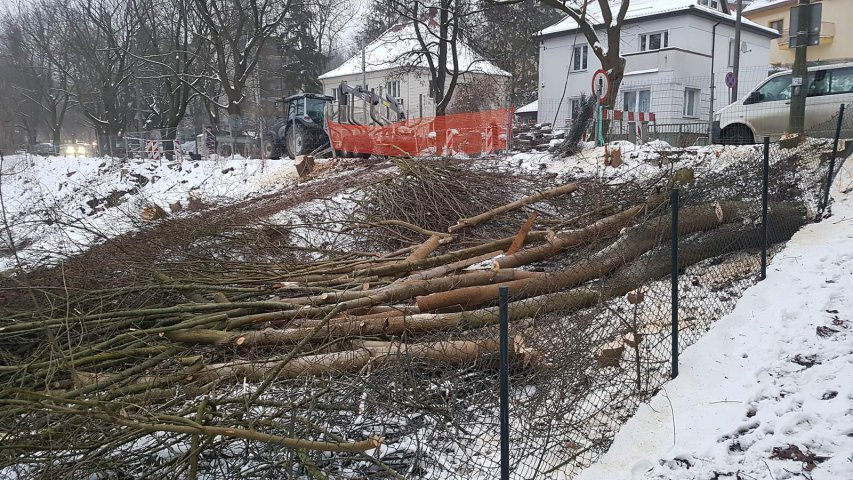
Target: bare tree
<point>170,73</point>
<point>236,31</point>
<point>100,35</point>
<point>438,30</point>
<point>51,84</point>
<point>609,56</point>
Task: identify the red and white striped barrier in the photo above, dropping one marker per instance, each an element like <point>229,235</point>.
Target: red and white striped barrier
<point>153,149</point>
<point>620,115</point>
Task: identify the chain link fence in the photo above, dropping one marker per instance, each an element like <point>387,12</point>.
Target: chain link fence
<point>357,337</point>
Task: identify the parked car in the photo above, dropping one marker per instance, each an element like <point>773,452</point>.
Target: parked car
<point>45,149</point>
<point>764,111</point>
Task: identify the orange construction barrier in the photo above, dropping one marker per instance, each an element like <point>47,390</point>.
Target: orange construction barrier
<point>469,133</point>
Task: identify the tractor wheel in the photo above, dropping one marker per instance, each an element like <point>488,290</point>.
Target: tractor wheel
<point>296,141</point>
<point>273,150</point>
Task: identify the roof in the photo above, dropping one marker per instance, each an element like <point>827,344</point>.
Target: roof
<point>640,9</point>
<point>399,46</point>
<point>764,4</point>
<point>531,107</point>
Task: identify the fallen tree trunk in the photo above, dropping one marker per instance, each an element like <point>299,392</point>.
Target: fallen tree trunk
<point>449,268</point>
<point>538,197</point>
<point>348,300</point>
<point>374,354</point>
<point>604,228</point>
<point>628,247</point>
<point>522,234</point>
<point>438,260</point>
<point>424,249</point>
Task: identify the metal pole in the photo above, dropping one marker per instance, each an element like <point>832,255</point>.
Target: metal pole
<point>797,115</point>
<point>711,107</point>
<point>364,78</point>
<point>673,199</point>
<point>504,374</point>
<point>764,195</point>
<point>736,52</point>
<point>832,159</point>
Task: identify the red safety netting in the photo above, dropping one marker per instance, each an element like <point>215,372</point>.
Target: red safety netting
<point>469,133</point>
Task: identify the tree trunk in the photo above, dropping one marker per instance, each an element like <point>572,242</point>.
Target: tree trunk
<point>631,245</point>
<point>538,197</point>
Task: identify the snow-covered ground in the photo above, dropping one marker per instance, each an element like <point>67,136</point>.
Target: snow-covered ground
<point>60,206</point>
<point>768,392</point>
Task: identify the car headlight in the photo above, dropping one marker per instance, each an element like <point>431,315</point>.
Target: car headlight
<point>81,150</point>
<point>69,151</point>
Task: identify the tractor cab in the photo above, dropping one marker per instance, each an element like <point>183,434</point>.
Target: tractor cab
<point>302,131</point>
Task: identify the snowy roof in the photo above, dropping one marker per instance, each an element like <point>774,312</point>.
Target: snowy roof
<point>645,8</point>
<point>762,4</point>
<point>529,108</point>
<point>399,47</point>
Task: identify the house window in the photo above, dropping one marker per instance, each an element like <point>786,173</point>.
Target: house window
<point>574,108</point>
<point>393,88</point>
<point>715,4</point>
<point>777,25</point>
<point>579,58</point>
<point>691,102</point>
<point>731,52</point>
<point>654,41</point>
<point>637,100</point>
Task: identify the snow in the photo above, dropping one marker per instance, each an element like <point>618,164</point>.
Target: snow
<point>60,206</point>
<point>640,72</point>
<point>760,4</point>
<point>397,48</point>
<point>645,8</point>
<point>530,107</point>
<point>774,373</point>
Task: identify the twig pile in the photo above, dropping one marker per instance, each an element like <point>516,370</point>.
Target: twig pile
<point>330,362</point>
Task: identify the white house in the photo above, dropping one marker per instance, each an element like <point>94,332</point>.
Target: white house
<point>393,64</point>
<point>670,47</point>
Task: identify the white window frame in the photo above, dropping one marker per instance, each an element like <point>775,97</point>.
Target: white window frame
<point>636,106</point>
<point>584,64</point>
<point>731,59</point>
<point>645,38</point>
<point>781,22</point>
<point>572,110</point>
<point>715,4</point>
<point>393,88</point>
<point>696,99</point>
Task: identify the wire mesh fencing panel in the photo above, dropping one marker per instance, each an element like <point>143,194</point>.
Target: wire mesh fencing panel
<point>356,336</point>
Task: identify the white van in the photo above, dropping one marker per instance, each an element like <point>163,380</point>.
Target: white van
<point>764,112</point>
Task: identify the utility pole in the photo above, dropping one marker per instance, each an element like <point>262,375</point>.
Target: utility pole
<point>364,77</point>
<point>736,52</point>
<point>800,73</point>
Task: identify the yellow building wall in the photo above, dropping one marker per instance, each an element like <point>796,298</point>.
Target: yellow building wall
<point>836,41</point>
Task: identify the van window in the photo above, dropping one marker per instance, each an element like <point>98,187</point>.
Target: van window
<point>842,81</point>
<point>831,82</point>
<point>775,89</point>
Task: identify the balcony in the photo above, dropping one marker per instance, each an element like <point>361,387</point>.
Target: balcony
<point>669,59</point>
<point>827,33</point>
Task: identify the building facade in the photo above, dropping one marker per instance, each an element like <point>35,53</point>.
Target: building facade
<point>670,47</point>
<point>391,65</point>
<point>836,41</point>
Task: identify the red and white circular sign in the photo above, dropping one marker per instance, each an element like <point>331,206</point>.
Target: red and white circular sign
<point>600,84</point>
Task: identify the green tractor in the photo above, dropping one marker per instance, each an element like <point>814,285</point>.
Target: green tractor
<point>304,131</point>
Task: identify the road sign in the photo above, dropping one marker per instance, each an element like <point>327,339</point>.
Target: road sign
<point>813,38</point>
<point>731,80</point>
<point>600,84</point>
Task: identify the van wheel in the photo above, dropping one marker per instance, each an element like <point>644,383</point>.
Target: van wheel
<point>737,134</point>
